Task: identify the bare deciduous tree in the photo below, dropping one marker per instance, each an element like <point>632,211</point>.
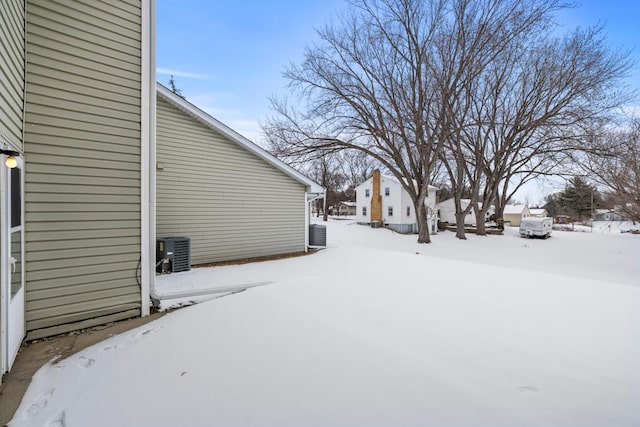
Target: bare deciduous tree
<point>367,88</point>
<point>510,28</point>
<point>327,172</point>
<point>476,85</point>
<point>614,164</point>
<point>357,166</point>
<point>528,111</point>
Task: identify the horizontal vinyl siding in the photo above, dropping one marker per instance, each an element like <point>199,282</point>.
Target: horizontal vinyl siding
<point>232,204</point>
<point>82,146</point>
<point>11,70</point>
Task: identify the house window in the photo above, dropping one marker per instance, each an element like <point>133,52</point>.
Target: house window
<point>390,211</point>
<point>364,211</point>
<point>386,191</point>
<point>366,192</point>
<point>408,210</point>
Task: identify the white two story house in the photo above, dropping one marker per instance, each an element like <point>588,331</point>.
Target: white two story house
<point>446,210</point>
<point>382,199</point>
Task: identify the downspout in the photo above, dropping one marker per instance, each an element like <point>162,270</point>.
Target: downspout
<point>307,221</point>
<point>157,296</point>
<point>4,353</point>
<point>310,198</point>
<point>147,155</point>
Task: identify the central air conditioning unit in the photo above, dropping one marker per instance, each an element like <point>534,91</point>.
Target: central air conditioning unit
<point>173,254</point>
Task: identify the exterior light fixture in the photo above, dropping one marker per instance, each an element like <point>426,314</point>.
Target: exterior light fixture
<point>11,161</point>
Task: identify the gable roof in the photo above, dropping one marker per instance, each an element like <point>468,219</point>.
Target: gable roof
<point>537,211</point>
<point>514,209</point>
<point>463,203</point>
<point>395,180</point>
<point>218,126</point>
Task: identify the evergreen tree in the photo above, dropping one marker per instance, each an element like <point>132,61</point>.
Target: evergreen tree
<point>579,198</point>
<point>551,205</point>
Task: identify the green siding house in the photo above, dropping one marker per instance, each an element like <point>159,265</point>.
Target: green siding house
<point>78,172</point>
<point>230,197</point>
<point>12,77</point>
<point>77,109</point>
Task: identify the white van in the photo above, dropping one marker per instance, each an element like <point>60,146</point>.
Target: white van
<point>536,227</point>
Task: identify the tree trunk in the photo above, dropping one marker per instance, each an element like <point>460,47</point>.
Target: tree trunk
<point>480,218</point>
<point>460,215</point>
<point>460,225</point>
<point>325,212</point>
<point>423,223</point>
<point>499,203</point>
<point>421,216</point>
<point>499,216</point>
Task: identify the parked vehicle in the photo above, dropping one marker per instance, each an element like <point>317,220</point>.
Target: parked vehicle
<point>536,227</point>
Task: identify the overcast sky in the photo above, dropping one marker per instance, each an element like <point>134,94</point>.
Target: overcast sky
<point>227,57</point>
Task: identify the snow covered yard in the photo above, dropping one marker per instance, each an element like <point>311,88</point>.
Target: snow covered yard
<point>378,330</point>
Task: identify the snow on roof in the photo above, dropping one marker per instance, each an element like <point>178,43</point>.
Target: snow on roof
<point>218,126</point>
<point>514,209</point>
<point>463,202</point>
<point>348,203</point>
<point>537,211</point>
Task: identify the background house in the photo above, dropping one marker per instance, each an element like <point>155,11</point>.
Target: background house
<point>76,100</point>
<point>608,215</point>
<point>540,213</point>
<point>513,214</point>
<point>447,212</point>
<point>382,198</point>
<point>346,208</point>
<point>230,197</point>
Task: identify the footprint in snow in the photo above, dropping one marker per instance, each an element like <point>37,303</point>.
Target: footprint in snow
<point>113,347</point>
<point>58,421</point>
<point>138,335</point>
<point>39,403</point>
<point>86,362</point>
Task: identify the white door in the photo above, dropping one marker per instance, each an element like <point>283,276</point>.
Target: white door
<point>12,261</point>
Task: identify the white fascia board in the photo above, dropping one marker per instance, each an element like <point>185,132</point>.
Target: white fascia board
<point>147,155</point>
<point>314,196</point>
<point>207,120</point>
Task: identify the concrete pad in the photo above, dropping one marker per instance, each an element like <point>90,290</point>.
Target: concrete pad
<point>34,354</point>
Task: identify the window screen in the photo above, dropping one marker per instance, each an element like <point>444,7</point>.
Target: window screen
<point>16,197</point>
